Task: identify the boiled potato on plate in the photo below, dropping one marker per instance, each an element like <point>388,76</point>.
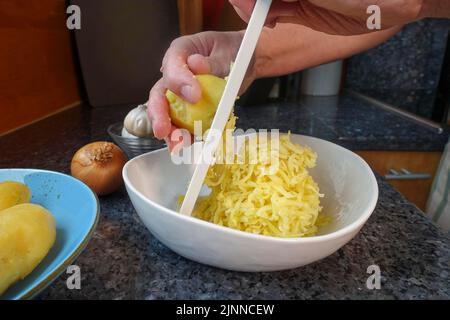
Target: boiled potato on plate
<point>27,232</point>
<point>12,193</point>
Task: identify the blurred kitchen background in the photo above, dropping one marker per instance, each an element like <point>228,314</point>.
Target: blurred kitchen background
<point>390,104</point>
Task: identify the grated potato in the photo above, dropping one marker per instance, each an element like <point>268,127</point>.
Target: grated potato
<point>249,197</point>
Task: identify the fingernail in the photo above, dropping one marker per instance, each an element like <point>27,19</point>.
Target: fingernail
<point>186,92</point>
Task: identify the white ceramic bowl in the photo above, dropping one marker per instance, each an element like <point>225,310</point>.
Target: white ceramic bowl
<point>154,182</point>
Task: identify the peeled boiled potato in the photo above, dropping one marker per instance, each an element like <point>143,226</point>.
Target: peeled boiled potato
<point>27,232</point>
<point>183,114</point>
<point>12,193</point>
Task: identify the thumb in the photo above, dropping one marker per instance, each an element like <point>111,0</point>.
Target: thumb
<point>199,64</point>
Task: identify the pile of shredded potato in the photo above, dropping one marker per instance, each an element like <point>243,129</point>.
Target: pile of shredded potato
<point>248,196</point>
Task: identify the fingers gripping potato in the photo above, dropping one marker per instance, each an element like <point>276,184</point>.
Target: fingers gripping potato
<point>12,193</point>
<point>184,114</point>
<point>27,232</point>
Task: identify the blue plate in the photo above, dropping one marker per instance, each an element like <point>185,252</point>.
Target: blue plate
<point>76,210</point>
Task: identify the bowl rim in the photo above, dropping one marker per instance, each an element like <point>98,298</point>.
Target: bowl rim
<point>74,253</point>
<point>358,223</point>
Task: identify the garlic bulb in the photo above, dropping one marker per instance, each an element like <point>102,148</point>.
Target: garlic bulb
<point>126,134</point>
<point>137,122</point>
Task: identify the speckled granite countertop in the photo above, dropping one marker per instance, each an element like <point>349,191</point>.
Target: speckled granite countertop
<point>345,120</point>
<point>124,261</point>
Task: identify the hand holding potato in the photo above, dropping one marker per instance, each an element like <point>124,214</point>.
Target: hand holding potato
<point>202,53</point>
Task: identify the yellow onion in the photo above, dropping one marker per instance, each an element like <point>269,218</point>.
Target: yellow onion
<point>99,165</point>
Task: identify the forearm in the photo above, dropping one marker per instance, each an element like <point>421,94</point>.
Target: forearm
<point>289,47</point>
<point>435,9</point>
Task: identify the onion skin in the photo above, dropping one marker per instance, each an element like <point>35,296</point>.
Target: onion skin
<point>99,165</point>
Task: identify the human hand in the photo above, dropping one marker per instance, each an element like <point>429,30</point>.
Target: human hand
<point>339,17</point>
<point>202,53</point>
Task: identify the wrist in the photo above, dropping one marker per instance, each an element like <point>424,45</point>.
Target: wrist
<point>251,74</point>
<point>261,57</point>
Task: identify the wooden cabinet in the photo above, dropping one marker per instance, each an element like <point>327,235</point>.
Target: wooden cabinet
<point>193,19</point>
<point>38,73</point>
<point>191,16</point>
<point>410,172</point>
